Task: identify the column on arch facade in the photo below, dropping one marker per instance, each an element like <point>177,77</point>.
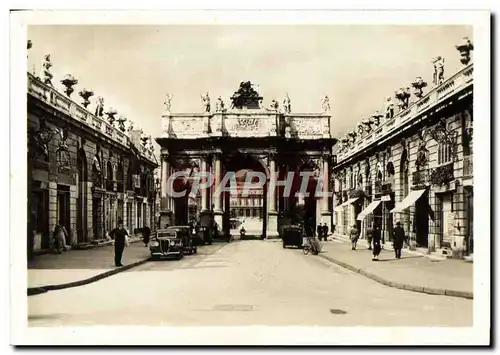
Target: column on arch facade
<point>325,199</point>
<point>272,213</point>
<point>166,202</point>
<point>205,216</point>
<point>217,198</point>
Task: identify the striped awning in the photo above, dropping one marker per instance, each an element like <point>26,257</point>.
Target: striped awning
<point>408,201</point>
<point>369,209</point>
<point>348,202</point>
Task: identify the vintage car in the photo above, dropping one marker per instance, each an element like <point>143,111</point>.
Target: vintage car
<point>292,235</point>
<point>166,242</point>
<point>184,232</point>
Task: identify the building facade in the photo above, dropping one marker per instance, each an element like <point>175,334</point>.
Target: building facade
<point>85,170</point>
<point>246,137</point>
<point>413,164</point>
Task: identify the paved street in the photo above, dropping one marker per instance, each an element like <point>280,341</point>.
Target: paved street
<point>244,283</point>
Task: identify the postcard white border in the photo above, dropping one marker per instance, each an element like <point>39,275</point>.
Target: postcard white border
<point>478,334</point>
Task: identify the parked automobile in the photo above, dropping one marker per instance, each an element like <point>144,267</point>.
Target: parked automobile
<point>292,235</point>
<point>184,232</point>
<point>165,243</point>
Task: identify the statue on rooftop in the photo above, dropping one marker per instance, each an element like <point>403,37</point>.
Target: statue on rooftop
<point>168,102</point>
<point>287,107</point>
<point>46,75</point>
<point>325,104</point>
<point>219,105</point>
<point>274,106</point>
<point>438,76</point>
<point>130,126</point>
<point>205,99</point>
<point>246,97</point>
<point>99,109</point>
<point>389,108</point>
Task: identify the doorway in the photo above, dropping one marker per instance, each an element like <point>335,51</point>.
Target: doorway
<point>422,221</point>
<point>357,210</point>
<point>97,214</point>
<point>63,210</point>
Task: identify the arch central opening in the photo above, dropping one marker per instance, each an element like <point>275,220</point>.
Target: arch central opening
<point>244,201</point>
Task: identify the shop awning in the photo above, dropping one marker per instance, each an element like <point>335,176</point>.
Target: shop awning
<point>369,209</point>
<point>348,202</point>
<point>408,201</point>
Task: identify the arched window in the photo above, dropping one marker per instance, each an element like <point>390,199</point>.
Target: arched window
<point>403,173</point>
<point>109,171</point>
<point>96,172</point>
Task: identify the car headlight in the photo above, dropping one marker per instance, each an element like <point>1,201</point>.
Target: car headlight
<point>155,243</point>
<point>172,242</point>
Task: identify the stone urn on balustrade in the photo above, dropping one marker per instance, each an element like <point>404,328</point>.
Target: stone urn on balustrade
<point>111,115</point>
<point>85,95</point>
<point>418,85</point>
<point>69,81</point>
<point>465,48</point>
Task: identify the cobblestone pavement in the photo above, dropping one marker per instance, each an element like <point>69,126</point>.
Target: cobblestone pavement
<point>245,283</point>
<point>412,268</point>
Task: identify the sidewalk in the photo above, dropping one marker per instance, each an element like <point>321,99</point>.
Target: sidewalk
<point>412,272</point>
<point>78,265</point>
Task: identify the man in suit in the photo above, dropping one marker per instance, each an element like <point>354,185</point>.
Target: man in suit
<point>325,232</point>
<point>398,239</point>
<point>120,236</point>
<point>377,238</point>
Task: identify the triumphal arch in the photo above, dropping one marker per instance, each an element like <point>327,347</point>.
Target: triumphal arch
<point>239,138</point>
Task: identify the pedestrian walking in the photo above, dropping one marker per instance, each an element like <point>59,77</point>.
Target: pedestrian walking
<point>377,237</point>
<point>325,232</point>
<point>146,234</point>
<point>319,231</point>
<point>354,235</point>
<point>398,239</point>
<point>369,236</point>
<point>120,236</point>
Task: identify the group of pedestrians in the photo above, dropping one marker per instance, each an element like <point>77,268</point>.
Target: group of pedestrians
<point>374,239</point>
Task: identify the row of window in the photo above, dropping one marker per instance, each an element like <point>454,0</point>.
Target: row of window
<point>251,201</point>
<point>247,212</point>
<point>445,155</point>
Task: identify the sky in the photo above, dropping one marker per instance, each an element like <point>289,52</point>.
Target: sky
<point>134,67</point>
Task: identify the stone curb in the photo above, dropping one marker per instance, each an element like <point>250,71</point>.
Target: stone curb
<point>32,291</point>
<point>407,287</point>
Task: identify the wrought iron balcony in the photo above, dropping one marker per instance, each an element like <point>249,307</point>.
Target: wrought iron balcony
<point>442,174</point>
<point>435,176</point>
<point>468,167</point>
